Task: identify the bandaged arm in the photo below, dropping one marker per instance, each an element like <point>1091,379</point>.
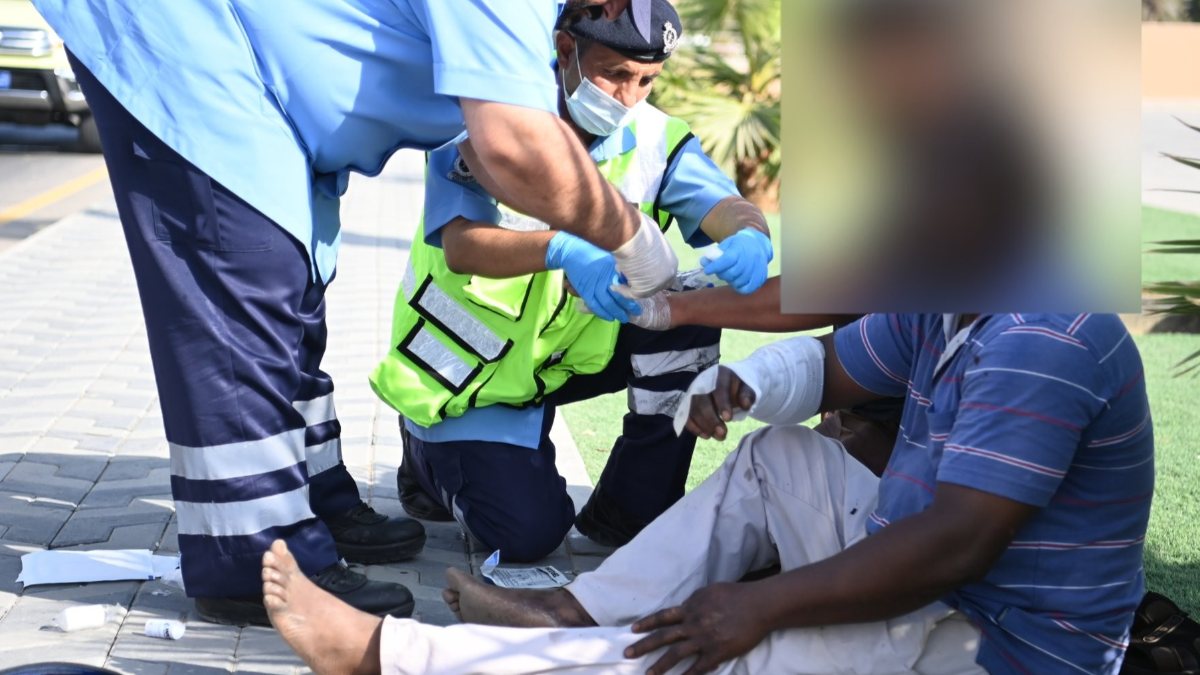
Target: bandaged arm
<point>787,379</point>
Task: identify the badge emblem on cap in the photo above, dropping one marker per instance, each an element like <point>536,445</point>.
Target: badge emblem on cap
<point>670,37</point>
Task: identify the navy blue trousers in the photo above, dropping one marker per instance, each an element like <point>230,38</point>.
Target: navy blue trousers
<point>236,326</point>
<point>512,498</point>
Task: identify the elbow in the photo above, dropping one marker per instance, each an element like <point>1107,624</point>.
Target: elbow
<point>456,262</point>
<point>500,156</point>
<point>975,554</point>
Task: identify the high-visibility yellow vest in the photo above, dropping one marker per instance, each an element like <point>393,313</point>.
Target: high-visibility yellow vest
<point>462,341</point>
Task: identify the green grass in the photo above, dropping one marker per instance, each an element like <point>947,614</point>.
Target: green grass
<point>1173,543</point>
<point>1159,225</point>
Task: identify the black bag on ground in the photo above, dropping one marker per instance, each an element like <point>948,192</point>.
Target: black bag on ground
<point>1164,639</point>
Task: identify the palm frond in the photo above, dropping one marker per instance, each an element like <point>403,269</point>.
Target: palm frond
<point>1186,161</point>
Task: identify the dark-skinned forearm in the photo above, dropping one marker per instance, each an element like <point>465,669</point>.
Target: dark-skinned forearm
<point>724,307</point>
<point>900,569</point>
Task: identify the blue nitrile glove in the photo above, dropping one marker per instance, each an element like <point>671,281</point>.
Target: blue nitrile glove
<point>743,262</point>
<point>592,272</point>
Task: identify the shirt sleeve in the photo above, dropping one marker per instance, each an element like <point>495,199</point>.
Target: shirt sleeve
<point>1024,403</point>
<point>694,184</point>
<point>451,192</point>
<point>494,51</point>
<point>877,352</point>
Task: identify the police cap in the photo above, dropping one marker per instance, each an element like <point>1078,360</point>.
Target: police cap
<point>622,35</point>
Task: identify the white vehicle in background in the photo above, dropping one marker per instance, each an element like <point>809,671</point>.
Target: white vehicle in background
<point>36,82</point>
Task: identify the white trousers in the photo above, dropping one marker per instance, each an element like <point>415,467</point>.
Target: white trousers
<point>787,495</point>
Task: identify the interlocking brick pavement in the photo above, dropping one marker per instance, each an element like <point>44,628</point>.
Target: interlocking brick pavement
<point>83,461</point>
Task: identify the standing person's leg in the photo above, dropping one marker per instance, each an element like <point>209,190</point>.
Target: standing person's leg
<point>648,467</point>
<point>222,289</point>
<point>511,498</point>
<point>362,535</point>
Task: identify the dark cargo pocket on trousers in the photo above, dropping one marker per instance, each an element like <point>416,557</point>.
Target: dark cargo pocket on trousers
<point>190,211</point>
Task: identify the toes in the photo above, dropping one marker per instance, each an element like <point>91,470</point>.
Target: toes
<point>273,592</point>
<point>456,578</point>
<point>281,557</point>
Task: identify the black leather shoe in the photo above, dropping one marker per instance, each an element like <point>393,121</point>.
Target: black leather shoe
<point>366,536</point>
<point>416,501</point>
<point>380,598</point>
<point>605,523</point>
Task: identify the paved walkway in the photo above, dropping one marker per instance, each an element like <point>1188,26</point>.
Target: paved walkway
<point>83,461</point>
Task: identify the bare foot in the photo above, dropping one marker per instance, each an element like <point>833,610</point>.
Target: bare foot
<point>332,637</point>
<point>473,601</point>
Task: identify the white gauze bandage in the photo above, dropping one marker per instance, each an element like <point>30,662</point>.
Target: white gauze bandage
<point>787,378</point>
<point>646,260</point>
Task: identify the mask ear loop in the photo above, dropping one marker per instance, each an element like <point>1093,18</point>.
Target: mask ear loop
<point>578,64</point>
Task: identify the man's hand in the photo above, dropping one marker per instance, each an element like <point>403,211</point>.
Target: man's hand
<point>743,261</point>
<point>718,623</point>
<point>710,412</point>
<point>592,274</point>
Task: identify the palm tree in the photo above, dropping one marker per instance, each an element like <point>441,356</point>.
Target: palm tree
<point>728,87</point>
<point>1171,10</point>
<point>1179,298</point>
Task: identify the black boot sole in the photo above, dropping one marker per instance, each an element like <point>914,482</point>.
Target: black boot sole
<point>249,616</point>
<point>375,554</point>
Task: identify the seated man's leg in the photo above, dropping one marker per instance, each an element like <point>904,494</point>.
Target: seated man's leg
<point>647,469</point>
<point>509,497</point>
<point>785,495</point>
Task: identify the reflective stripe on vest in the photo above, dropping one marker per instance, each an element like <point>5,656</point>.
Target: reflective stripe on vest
<point>457,323</point>
<point>428,352</point>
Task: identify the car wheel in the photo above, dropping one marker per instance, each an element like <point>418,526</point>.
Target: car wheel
<point>89,135</point>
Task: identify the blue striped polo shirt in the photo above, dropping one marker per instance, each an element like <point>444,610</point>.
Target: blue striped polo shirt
<point>1047,410</point>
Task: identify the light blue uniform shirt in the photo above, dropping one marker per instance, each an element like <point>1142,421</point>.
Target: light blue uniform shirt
<point>279,100</point>
<point>692,187</point>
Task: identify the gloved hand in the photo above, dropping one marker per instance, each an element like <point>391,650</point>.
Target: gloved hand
<point>647,261</point>
<point>743,262</point>
<point>656,312</point>
<point>592,272</point>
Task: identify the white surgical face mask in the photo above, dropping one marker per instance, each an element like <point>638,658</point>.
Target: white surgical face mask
<point>592,109</point>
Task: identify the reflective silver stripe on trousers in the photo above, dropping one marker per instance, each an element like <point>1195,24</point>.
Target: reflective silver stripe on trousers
<point>323,456</point>
<point>317,411</point>
<point>239,519</point>
<point>688,360</point>
<point>238,460</point>
<point>459,321</point>
<point>427,347</point>
<point>646,402</point>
